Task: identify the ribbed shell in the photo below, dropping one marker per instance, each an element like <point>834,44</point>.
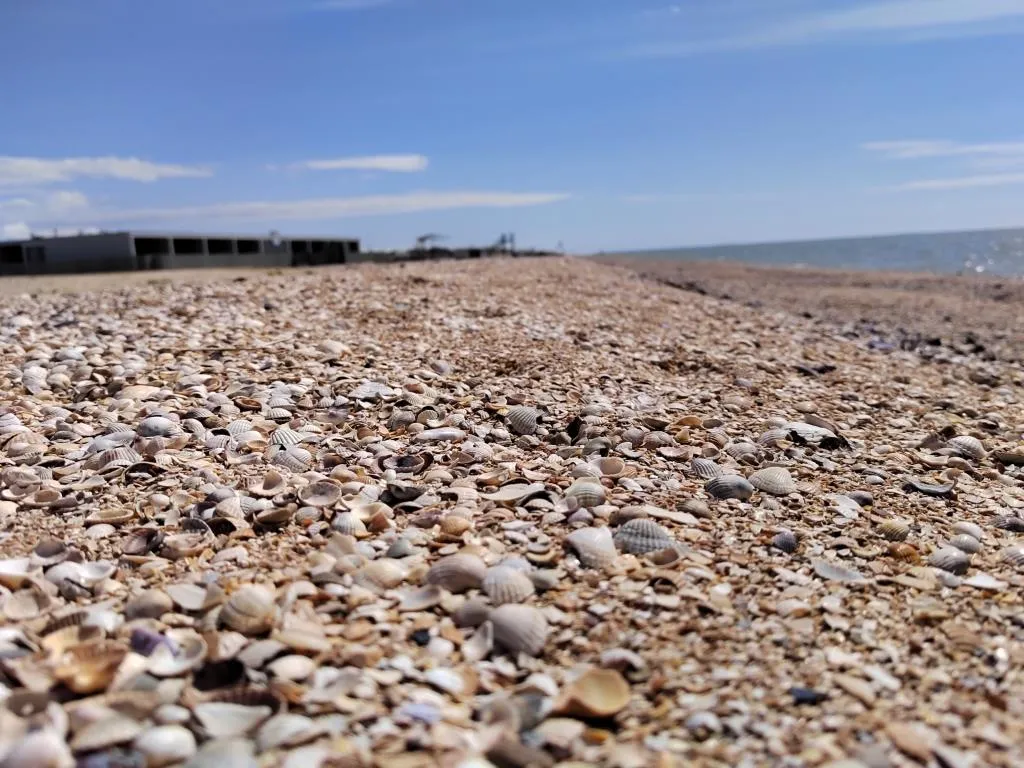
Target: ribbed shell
<point>705,469</point>
<point>786,541</point>
<point>522,419</point>
<point>742,450</point>
<point>969,447</point>
<point>519,628</point>
<point>729,487</point>
<point>457,573</point>
<point>238,426</point>
<point>507,585</point>
<point>250,610</point>
<point>718,438</point>
<point>1013,555</point>
<point>773,436</point>
<point>1011,523</point>
<point>950,559</point>
<point>965,543</point>
<point>894,529</point>
<point>294,458</point>
<point>594,547</point>
<point>286,436</point>
<point>348,524</point>
<point>588,492</point>
<point>774,480</point>
<point>642,535</point>
<point>971,529</point>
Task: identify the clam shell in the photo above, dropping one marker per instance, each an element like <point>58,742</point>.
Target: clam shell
<point>110,516</point>
<point>184,651</point>
<point>786,541</point>
<point>457,573</point>
<point>587,492</point>
<point>705,469</point>
<point>250,610</point>
<point>522,420</point>
<point>968,447</point>
<point>597,693</point>
<point>965,543</point>
<point>609,466</point>
<point>894,529</point>
<point>1011,523</point>
<point>971,529</point>
<point>149,604</point>
<point>271,484</point>
<point>950,559</point>
<point>642,535</point>
<point>381,575</point>
<point>90,667</point>
<point>774,480</point>
<point>286,730</point>
<point>165,745</point>
<point>106,732</point>
<point>321,493</point>
<point>507,585</point>
<point>519,628</point>
<point>25,604</point>
<point>594,547</point>
<point>349,524</point>
<point>294,458</point>
<point>729,487</point>
<point>941,490</point>
<point>1013,555</point>
<point>421,599</point>
<point>222,720</point>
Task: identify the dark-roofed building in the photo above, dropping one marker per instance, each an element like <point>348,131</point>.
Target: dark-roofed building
<point>132,250</point>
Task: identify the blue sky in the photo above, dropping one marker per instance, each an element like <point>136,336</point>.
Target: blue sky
<point>601,124</point>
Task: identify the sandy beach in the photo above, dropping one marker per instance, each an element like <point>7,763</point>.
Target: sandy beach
<point>513,513</point>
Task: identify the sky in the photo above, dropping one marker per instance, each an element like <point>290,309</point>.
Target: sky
<point>595,124</point>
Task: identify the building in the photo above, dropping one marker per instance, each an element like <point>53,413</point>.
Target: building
<point>132,250</point>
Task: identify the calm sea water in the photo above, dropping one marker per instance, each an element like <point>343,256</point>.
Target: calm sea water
<point>997,252</point>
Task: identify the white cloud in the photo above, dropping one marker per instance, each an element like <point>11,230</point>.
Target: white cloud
<point>331,207</point>
<point>962,182</point>
<point>20,171</point>
<point>389,163</point>
<point>17,230</point>
<point>931,18</point>
<point>66,200</point>
<point>919,148</point>
<point>15,202</point>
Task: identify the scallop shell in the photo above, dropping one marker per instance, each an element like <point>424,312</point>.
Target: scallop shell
<point>786,541</point>
<point>1013,555</point>
<point>320,493</point>
<point>905,552</point>
<point>642,535</point>
<point>587,492</point>
<point>968,447</point>
<point>250,610</point>
<point>965,543</point>
<point>381,575</point>
<point>595,547</point>
<point>1011,523</point>
<point>519,628</point>
<point>774,480</point>
<point>457,573</point>
<point>349,524</point>
<point>286,437</point>
<point>705,469</point>
<point>729,487</point>
<point>894,529</point>
<point>522,419</point>
<point>293,458</point>
<point>597,693</point>
<point>507,585</point>
<point>950,559</point>
<point>742,451</point>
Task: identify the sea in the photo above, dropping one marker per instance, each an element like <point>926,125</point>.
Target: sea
<point>994,252</point>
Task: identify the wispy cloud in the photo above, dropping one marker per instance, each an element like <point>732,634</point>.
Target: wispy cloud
<point>323,208</point>
<point>387,163</point>
<point>962,182</point>
<point>895,20</point>
<point>920,148</point>
<point>15,203</point>
<point>689,197</point>
<point>27,171</point>
<point>51,207</point>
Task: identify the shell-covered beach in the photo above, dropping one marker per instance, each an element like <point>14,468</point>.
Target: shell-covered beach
<point>501,512</point>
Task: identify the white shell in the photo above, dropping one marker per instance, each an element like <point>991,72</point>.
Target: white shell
<point>223,720</point>
<point>165,745</point>
<point>519,628</point>
<point>594,547</point>
<point>507,585</point>
<point>774,480</point>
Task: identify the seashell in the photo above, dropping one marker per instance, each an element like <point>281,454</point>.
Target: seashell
<point>286,730</point>
<point>642,535</point>
<point>705,469</point>
<point>105,732</point>
<point>49,552</point>
<point>250,610</point>
<point>594,547</point>
<point>971,529</point>
<point>271,484</point>
<point>193,597</point>
<point>519,628</point>
<point>950,559</point>
<point>142,541</point>
<point>16,572</point>
<point>406,464</point>
<point>786,541</point>
<point>965,543</point>
<point>609,466</point>
<point>86,574</point>
<point>894,529</point>
<point>1010,523</point>
<point>480,645</point>
<point>729,487</point>
<point>1009,458</point>
<point>25,604</point>
<point>905,552</point>
<point>1013,555</point>
<point>381,575</point>
<point>158,426</point>
<point>440,435</point>
<point>110,516</point>
<point>944,490</point>
<point>182,545</point>
<point>149,604</point>
<point>225,720</point>
<point>44,748</point>
<point>165,745</point>
<point>597,693</point>
<point>514,493</point>
<point>507,585</point>
<point>801,432</point>
<point>292,667</point>
<point>522,420</point>
<point>421,599</point>
<point>457,573</point>
<point>90,667</point>
<point>287,437</point>
<point>275,516</point>
<point>321,493</point>
<point>348,524</point>
<point>774,480</point>
<point>454,525</point>
<point>968,447</point>
<point>588,493</point>
<point>585,470</point>
<point>184,651</point>
<point>835,572</point>
<point>742,451</point>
